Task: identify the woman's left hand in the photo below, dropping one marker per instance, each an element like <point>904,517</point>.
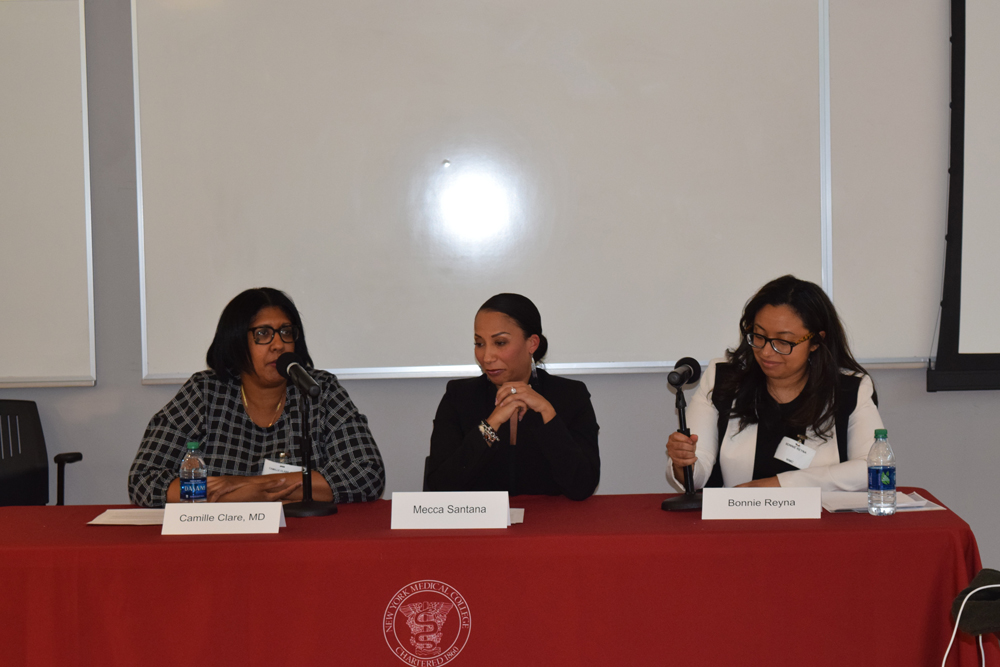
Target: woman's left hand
<point>523,392</point>
<point>767,481</point>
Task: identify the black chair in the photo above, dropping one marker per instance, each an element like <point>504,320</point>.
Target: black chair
<point>24,466</point>
<point>979,604</point>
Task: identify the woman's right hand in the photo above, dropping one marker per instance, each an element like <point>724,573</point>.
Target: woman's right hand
<point>681,449</point>
<point>503,412</point>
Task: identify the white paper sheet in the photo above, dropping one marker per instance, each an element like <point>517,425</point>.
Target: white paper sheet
<point>857,501</point>
<point>129,517</point>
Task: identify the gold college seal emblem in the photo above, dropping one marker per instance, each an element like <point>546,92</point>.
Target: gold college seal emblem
<point>427,623</point>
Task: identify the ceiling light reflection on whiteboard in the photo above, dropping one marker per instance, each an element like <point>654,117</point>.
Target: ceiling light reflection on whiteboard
<point>475,208</point>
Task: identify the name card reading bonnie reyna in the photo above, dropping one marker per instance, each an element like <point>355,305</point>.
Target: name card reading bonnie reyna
<point>222,518</point>
<point>761,503</point>
<point>450,509</point>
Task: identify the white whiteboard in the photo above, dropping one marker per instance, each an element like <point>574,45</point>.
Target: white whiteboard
<point>45,238</point>
<point>642,149</point>
<point>636,168</point>
<point>890,71</point>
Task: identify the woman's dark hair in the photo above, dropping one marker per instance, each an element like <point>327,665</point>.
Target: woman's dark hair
<point>748,384</point>
<point>524,313</point>
<point>229,353</point>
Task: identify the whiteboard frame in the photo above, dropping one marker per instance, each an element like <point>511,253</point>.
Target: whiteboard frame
<point>86,380</point>
<point>87,198</point>
<point>597,368</point>
<point>825,159</point>
<point>146,377</point>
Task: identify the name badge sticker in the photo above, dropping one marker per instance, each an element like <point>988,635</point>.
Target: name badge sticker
<point>450,509</point>
<point>794,453</point>
<point>275,468</point>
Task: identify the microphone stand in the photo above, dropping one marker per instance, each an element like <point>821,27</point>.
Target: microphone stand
<point>690,500</point>
<point>307,506</point>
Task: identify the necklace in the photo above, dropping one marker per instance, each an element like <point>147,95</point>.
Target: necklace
<point>277,412</point>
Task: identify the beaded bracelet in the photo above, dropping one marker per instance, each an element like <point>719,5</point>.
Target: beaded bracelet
<point>489,435</point>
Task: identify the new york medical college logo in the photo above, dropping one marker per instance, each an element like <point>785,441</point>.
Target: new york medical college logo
<point>427,623</point>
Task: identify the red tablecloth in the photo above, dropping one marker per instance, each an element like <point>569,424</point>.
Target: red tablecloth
<point>609,581</point>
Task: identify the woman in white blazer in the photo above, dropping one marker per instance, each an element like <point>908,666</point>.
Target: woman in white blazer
<point>789,406</point>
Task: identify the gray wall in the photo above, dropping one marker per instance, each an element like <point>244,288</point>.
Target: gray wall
<point>946,443</point>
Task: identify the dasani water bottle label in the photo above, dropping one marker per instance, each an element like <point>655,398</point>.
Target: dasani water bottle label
<point>881,478</point>
<point>193,489</point>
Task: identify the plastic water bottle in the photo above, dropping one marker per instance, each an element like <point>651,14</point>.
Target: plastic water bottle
<point>881,476</point>
<point>194,476</point>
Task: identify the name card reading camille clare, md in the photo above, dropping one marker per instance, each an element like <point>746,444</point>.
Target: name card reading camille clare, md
<point>450,509</point>
<point>222,518</point>
<point>761,503</point>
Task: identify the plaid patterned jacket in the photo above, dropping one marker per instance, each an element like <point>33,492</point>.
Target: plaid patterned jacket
<point>211,412</point>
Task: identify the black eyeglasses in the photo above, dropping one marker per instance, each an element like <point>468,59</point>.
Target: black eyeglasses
<point>782,347</point>
<point>264,335</point>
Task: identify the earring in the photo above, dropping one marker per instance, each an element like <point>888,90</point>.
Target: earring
<point>534,369</point>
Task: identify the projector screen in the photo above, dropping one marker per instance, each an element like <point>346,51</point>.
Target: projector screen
<point>969,345</point>
<point>979,330</point>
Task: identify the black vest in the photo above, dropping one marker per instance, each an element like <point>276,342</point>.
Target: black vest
<point>846,401</point>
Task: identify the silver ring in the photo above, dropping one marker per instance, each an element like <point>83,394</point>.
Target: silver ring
<point>513,390</point>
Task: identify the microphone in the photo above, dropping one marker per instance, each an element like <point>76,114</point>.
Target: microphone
<point>290,368</point>
<point>686,371</point>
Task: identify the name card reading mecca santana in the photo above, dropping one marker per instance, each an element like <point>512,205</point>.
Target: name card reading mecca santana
<point>762,503</point>
<point>450,509</point>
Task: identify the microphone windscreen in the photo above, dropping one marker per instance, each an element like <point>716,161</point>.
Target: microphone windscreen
<point>286,360</point>
<point>695,368</point>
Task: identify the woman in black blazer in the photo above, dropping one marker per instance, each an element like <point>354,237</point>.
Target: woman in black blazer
<point>514,428</point>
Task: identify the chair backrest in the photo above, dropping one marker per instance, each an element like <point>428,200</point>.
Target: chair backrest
<point>24,463</point>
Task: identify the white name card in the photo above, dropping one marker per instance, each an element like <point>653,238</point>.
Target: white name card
<point>450,509</point>
<point>222,518</point>
<point>761,503</point>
